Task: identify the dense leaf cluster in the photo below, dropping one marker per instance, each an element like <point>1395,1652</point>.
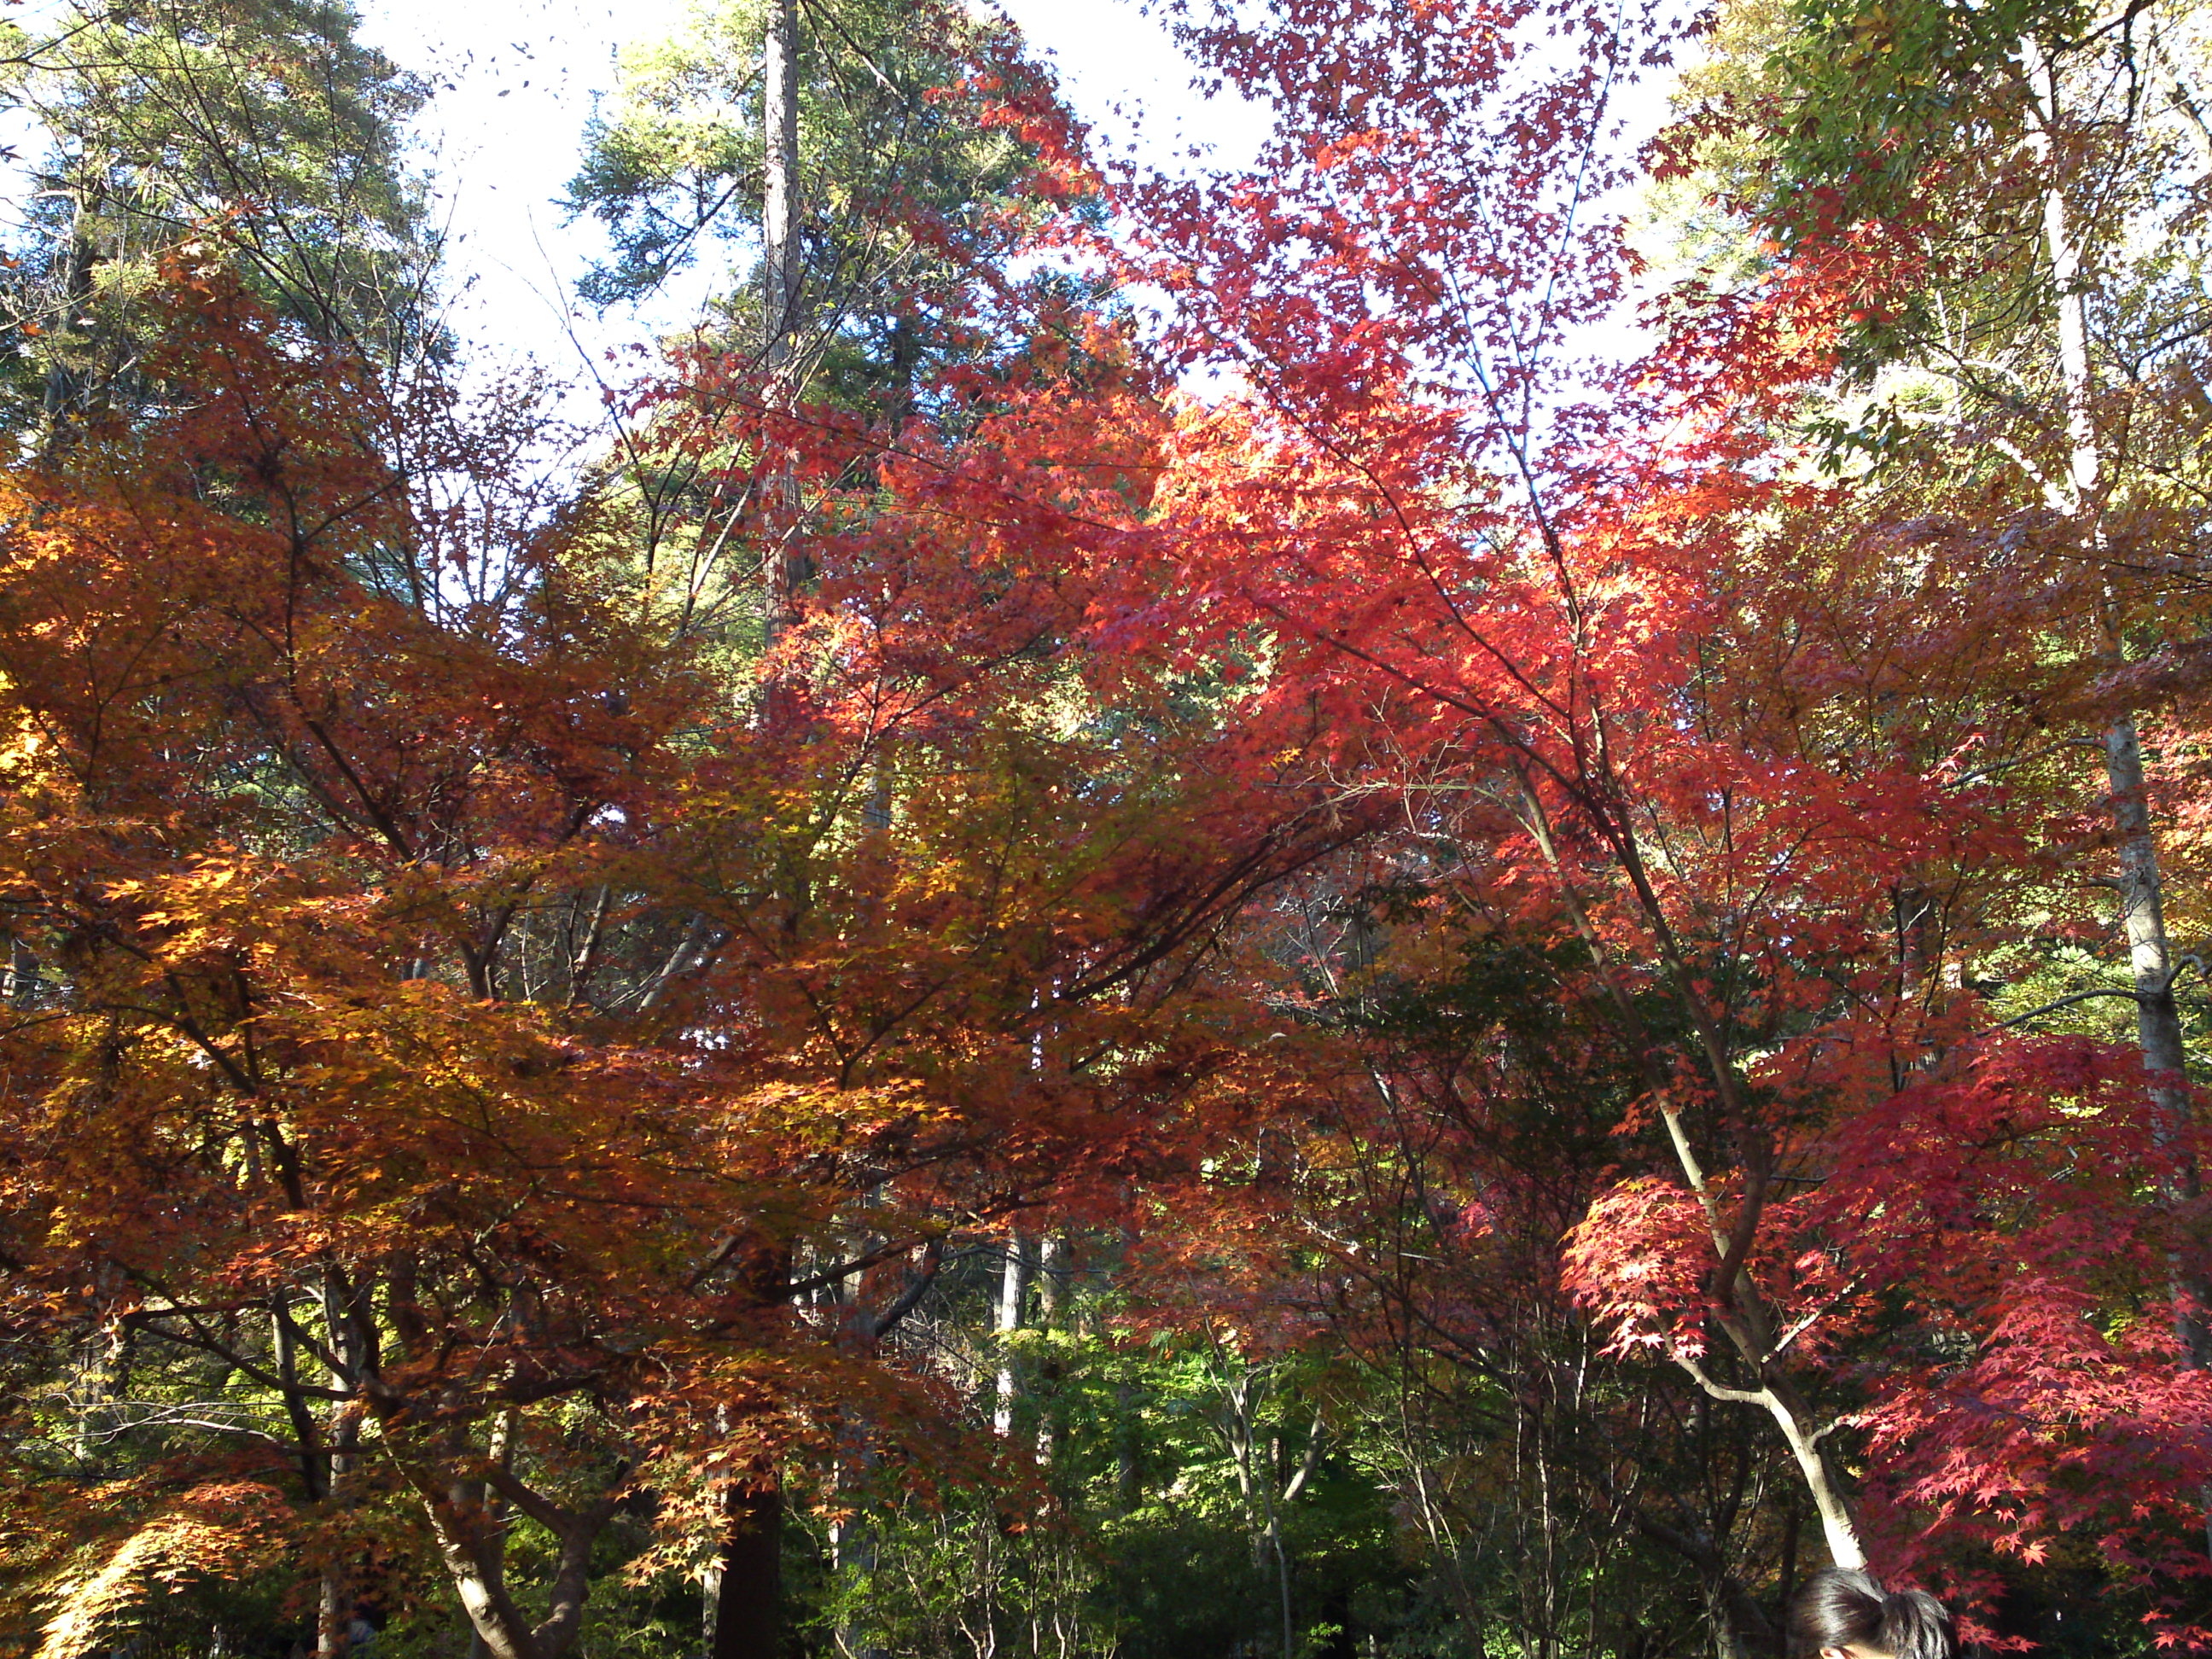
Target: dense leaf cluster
<point>1296,977</point>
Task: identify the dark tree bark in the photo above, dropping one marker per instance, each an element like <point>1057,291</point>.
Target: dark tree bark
<point>748,1591</point>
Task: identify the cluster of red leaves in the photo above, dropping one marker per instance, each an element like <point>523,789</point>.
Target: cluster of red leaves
<point>1624,676</point>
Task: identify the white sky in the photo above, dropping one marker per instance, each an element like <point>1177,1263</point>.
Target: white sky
<point>518,79</point>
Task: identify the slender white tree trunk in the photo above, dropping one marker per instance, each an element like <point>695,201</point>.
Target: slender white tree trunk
<point>783,263</point>
<point>1748,1323</point>
<point>1013,1293</point>
<point>2142,890</point>
<point>780,184</point>
<point>1052,1307</point>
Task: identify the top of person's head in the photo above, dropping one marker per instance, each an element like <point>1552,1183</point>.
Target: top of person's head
<point>1840,1609</point>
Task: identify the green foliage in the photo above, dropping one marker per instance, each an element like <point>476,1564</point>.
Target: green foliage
<point>256,132</point>
<point>897,183</point>
<point>1862,98</point>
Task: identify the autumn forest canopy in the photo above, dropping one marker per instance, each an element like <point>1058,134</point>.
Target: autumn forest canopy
<point>1445,894</point>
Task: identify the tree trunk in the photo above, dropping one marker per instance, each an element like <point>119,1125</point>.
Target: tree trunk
<point>64,401</point>
<point>334,1614</point>
<point>496,1626</point>
<point>784,568</point>
<point>854,1545</point>
<point>780,193</point>
<point>2141,890</point>
<point>745,1594</point>
<point>1282,1559</point>
<point>1126,1473</point>
<point>494,1509</point>
<point>1740,1310</point>
<point>1013,1292</point>
<point>1052,1311</point>
<point>330,1618</point>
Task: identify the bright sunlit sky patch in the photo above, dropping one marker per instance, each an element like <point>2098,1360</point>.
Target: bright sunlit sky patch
<point>517,80</point>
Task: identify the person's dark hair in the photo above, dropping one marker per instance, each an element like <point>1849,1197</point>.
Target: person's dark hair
<point>1839,1608</point>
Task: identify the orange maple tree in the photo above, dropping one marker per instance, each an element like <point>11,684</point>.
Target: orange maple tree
<point>498,1072</point>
